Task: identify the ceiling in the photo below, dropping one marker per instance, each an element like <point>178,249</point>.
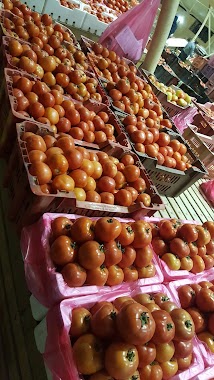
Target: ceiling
<point>198,8</point>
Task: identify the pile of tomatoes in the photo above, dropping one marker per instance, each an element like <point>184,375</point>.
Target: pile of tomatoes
<point>102,252</point>
<point>120,6</point>
<point>184,246</point>
<point>168,150</point>
<point>93,176</point>
<point>68,4</point>
<point>108,342</point>
<point>35,99</point>
<point>198,300</point>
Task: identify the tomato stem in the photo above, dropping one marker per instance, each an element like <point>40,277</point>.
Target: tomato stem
<point>144,318</point>
<point>188,324</point>
<point>113,315</point>
<point>169,326</point>
<point>110,221</point>
<point>130,355</point>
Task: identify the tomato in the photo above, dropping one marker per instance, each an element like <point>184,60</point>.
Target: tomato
<point>184,325</point>
<point>197,288</point>
<point>152,371</point>
<point>183,349</point>
<point>164,352</point>
<point>168,230</point>
<point>63,182</point>
<point>198,264</point>
<point>115,275</point>
<point>83,230</point>
<point>159,246</point>
<point>188,232</point>
<point>58,164</point>
<point>121,360</point>
<point>146,353</point>
<point>143,256</point>
<point>73,274</point>
<point>123,198</point>
<point>97,276</point>
<point>164,139</point>
<point>187,296</point>
<point>179,247</point>
<point>61,226</point>
<point>168,306</point>
<point>147,272</point>
<point>80,322</point>
<point>37,155</point>
<point>207,338</point>
<point>107,229</point>
<point>97,170</point>
<point>63,250</point>
<point>160,299</point>
<point>193,249</point>
<point>198,319</point>
<point>204,236</point>
<point>184,363</point>
<point>211,323</point>
<point>74,158</point>
<point>128,257</point>
<point>103,322</point>
<point>210,227</point>
<point>88,354</point>
<point>205,300</point>
<point>130,274</point>
<point>139,185</point>
<point>143,234</point>
<point>113,253</point>
<point>186,263</point>
<point>165,328</point>
<point>41,171</point>
<point>129,327</point>
<point>169,368</point>
<point>91,255</point>
<point>210,247</point>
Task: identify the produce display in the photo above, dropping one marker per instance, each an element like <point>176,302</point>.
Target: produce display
<point>174,94</point>
<point>102,252</point>
<point>93,176</point>
<point>118,347</point>
<point>187,246</point>
<point>197,300</point>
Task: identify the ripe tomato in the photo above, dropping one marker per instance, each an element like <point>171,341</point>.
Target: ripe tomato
<point>80,322</point>
<point>91,255</point>
<point>113,253</point>
<point>142,234</point>
<point>63,250</point>
<point>41,171</point>
<point>146,353</point>
<point>58,164</point>
<point>184,325</point>
<point>123,198</point>
<point>204,236</point>
<point>184,363</point>
<point>121,360</point>
<point>103,322</point>
<point>128,257</point>
<point>63,182</point>
<point>159,246</point>
<point>210,323</point>
<point>183,349</point>
<point>130,274</point>
<point>61,226</point>
<point>164,352</point>
<point>207,338</point>
<point>165,328</point>
<point>169,368</point>
<point>88,354</point>
<point>198,264</point>
<point>126,236</point>
<point>168,230</point>
<point>179,247</point>
<point>188,232</point>
<point>147,272</point>
<point>198,319</point>
<point>205,300</point>
<point>187,296</point>
<point>193,249</point>
<point>152,371</point>
<point>210,227</point>
<point>73,274</point>
<point>97,276</point>
<point>107,229</point>
<point>172,261</point>
<point>143,256</point>
<point>129,328</point>
<point>82,230</point>
<point>75,159</point>
<point>115,275</point>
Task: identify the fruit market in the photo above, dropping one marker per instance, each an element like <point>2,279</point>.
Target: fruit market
<point>107,190</point>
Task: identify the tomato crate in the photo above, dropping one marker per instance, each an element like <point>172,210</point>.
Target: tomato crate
<point>9,115</point>
<point>201,149</point>
<point>10,33</point>
<point>172,182</point>
<point>28,202</point>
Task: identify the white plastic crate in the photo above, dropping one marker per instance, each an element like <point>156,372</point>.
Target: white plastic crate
<point>35,5</point>
<point>93,25</point>
<point>57,11</point>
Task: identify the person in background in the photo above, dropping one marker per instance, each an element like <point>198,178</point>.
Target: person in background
<point>188,50</point>
<point>174,26</point>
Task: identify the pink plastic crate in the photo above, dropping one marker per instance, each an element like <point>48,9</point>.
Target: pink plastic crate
<point>207,355</point>
<point>40,271</point>
<point>58,348</point>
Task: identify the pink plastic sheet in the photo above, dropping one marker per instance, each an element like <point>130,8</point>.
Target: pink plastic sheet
<point>207,374</point>
<point>184,118</point>
<point>47,285</point>
<point>207,355</point>
<point>58,351</point>
<point>208,190</point>
<point>129,33</point>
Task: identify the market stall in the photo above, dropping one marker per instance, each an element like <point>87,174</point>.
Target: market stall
<point>101,201</point>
